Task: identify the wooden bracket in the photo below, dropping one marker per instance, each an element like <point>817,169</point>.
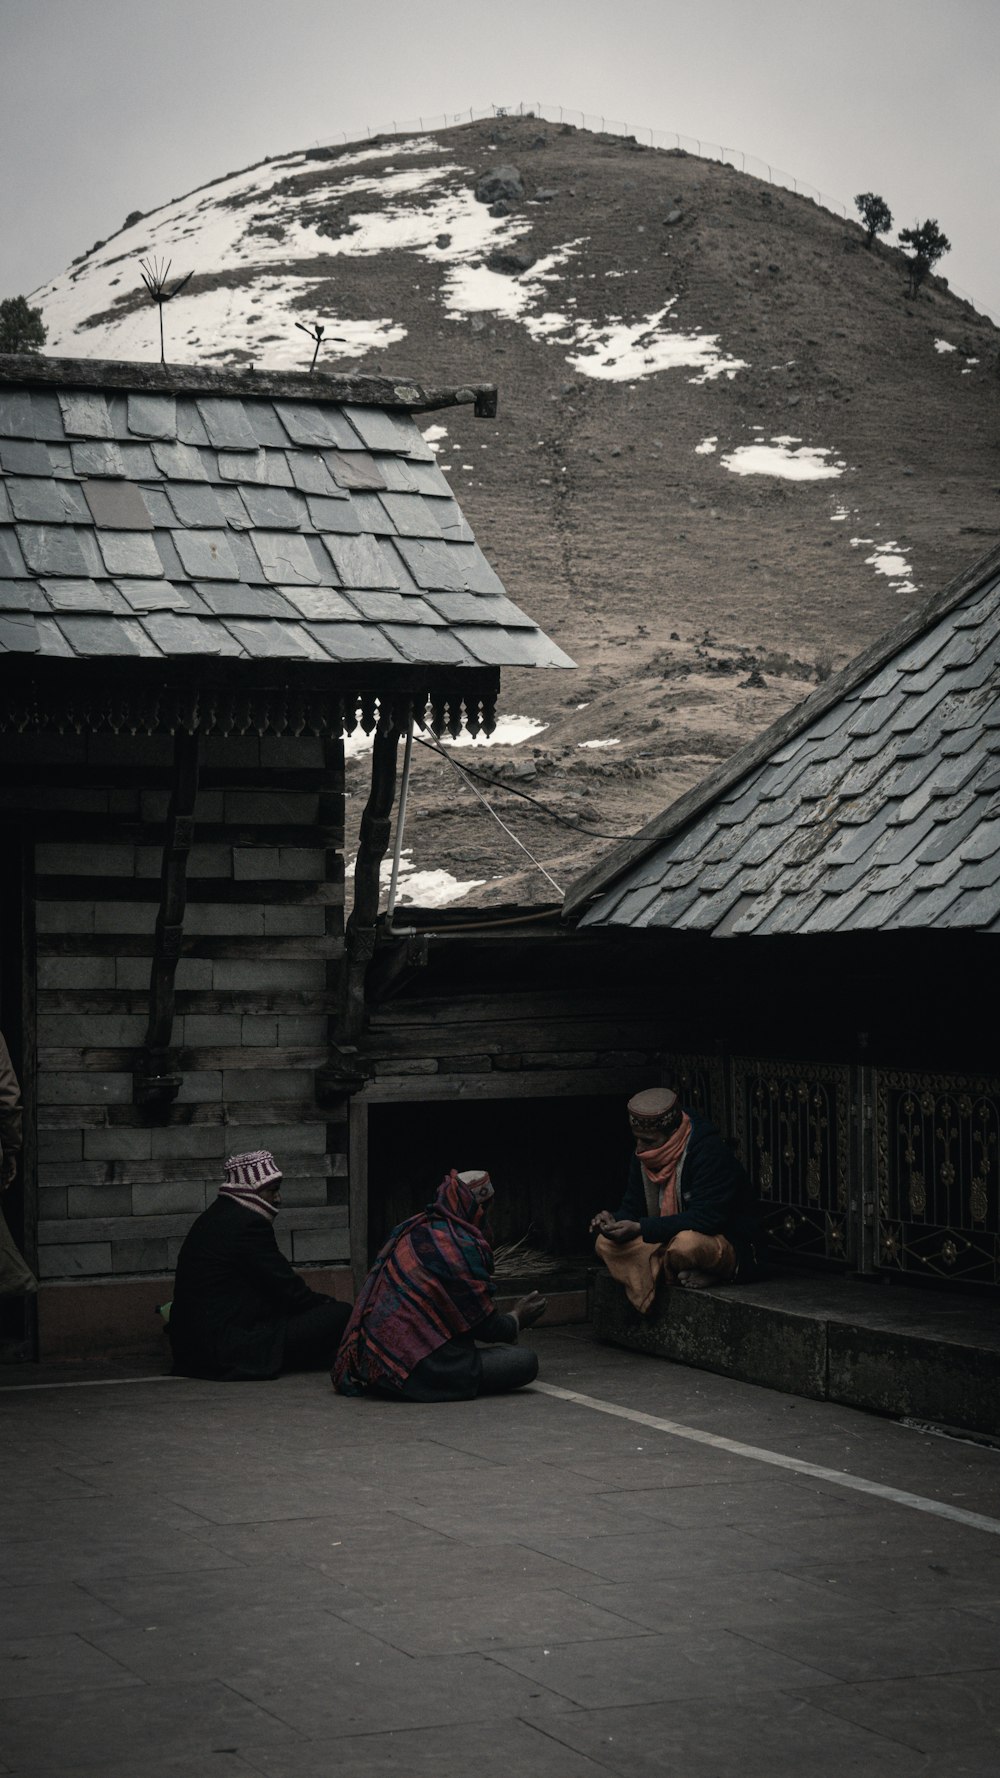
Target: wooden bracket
<point>155,1083</point>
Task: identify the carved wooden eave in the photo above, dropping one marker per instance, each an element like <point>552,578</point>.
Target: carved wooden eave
<point>287,698</point>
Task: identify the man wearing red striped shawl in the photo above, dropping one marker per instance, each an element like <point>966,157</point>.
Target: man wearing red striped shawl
<point>426,1303</point>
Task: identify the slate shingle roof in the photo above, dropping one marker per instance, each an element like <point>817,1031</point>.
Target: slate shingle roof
<point>875,806</point>
<point>262,526</point>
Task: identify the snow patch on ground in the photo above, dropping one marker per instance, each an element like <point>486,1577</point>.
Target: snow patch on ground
<point>424,888</point>
<point>944,346</point>
<point>433,436</point>
<point>707,447</point>
<point>593,746</point>
<point>888,559</point>
<point>622,351</point>
<point>510,731</point>
<point>785,457</point>
<point>390,151</point>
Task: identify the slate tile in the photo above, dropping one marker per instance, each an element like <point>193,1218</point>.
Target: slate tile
<point>286,556</point>
<point>315,424</point>
<point>195,506</point>
<point>339,516</point>
<point>16,419</point>
<point>98,458</point>
<point>145,595</point>
<point>79,595</point>
<point>355,471</point>
<point>190,425</point>
<point>226,423</point>
<point>152,416</point>
<point>247,560</point>
<point>479,576</point>
<point>245,601</point>
<point>399,608</point>
<point>399,475</point>
<point>52,639</point>
<point>97,636</point>
<point>262,468</point>
<point>18,633</point>
<point>85,414</point>
<point>354,642</point>
<point>206,555</point>
<point>46,416</point>
<point>411,516</point>
<point>158,506</point>
<point>177,635</point>
<point>311,475</point>
<point>433,646</point>
<point>117,505</point>
<point>265,424</point>
<point>361,562</point>
<point>61,460</point>
<point>18,457</point>
<point>179,462</point>
<point>60,549</point>
<point>382,430</point>
<point>36,498</point>
<point>275,508</point>
<point>452,522</point>
<point>22,595</point>
<point>169,559</point>
<point>12,564</point>
<point>433,565</point>
<point>131,553</point>
<point>233,511</point>
<point>320,604</point>
<point>372,515</point>
<point>267,640</point>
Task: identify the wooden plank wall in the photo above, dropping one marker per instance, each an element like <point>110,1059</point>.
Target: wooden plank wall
<point>255,988</point>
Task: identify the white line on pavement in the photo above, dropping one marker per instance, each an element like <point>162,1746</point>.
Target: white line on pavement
<point>88,1383</point>
<point>777,1459</point>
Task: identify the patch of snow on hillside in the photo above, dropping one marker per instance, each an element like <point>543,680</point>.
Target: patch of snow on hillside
<point>433,435</point>
<point>594,745</point>
<point>943,346</point>
<point>785,457</point>
<point>424,888</point>
<point>510,731</point>
<point>390,151</point>
<point>620,352</point>
<point>889,560</point>
<point>476,289</point>
<point>707,447</point>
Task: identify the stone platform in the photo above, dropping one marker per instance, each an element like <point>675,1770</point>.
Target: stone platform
<point>908,1353</point>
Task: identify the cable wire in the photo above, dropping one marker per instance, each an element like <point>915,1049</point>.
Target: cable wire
<point>593,833</point>
<point>500,823</point>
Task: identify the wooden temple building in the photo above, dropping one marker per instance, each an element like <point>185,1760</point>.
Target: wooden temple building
<point>207,578</point>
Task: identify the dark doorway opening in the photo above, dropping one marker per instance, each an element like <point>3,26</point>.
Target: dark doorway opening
<point>553,1162</point>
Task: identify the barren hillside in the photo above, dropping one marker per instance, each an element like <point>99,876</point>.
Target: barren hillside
<point>729,452</point>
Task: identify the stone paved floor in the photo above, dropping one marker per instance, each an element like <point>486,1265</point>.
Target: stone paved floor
<point>260,1579</point>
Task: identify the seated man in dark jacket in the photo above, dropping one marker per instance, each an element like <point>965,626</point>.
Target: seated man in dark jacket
<point>689,1214</point>
<point>239,1310</point>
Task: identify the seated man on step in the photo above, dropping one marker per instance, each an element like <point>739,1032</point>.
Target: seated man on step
<point>689,1214</point>
<point>240,1311</point>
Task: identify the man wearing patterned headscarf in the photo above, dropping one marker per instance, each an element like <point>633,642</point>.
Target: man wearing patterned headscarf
<point>239,1310</point>
<point>689,1214</point>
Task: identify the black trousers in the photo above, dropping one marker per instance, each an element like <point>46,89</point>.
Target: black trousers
<point>507,1367</point>
<point>312,1338</point>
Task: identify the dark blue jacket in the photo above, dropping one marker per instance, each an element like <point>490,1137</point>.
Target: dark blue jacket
<point>715,1194</point>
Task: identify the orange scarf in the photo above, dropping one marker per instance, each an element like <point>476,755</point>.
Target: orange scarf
<point>660,1165</point>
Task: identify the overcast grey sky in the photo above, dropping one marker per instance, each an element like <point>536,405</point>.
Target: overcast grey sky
<point>118,105</point>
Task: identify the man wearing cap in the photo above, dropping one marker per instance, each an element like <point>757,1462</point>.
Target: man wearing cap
<point>239,1310</point>
<point>689,1214</point>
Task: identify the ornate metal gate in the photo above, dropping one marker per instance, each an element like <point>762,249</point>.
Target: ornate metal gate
<point>937,1166</point>
<point>791,1121</point>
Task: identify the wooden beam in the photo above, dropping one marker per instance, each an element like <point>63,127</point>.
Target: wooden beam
<point>154,1083</point>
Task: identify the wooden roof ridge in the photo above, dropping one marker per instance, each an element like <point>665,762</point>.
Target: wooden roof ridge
<point>403,393</point>
<point>742,764</point>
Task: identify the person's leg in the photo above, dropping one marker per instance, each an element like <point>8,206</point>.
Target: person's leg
<point>312,1338</point>
<point>697,1261</point>
<point>507,1367</point>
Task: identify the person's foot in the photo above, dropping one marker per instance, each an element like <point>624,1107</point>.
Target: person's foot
<point>695,1279</point>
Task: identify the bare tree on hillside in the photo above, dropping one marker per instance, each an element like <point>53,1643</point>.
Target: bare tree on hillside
<point>875,214</point>
<point>927,245</point>
<point>21,327</point>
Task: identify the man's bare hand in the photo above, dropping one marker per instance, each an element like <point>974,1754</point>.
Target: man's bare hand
<point>8,1170</point>
<point>621,1232</point>
<point>530,1309</point>
<point>600,1224</point>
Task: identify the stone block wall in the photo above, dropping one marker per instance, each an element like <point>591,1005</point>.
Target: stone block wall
<point>117,1188</point>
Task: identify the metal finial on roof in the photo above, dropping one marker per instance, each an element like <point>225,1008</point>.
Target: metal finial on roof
<point>154,275</point>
